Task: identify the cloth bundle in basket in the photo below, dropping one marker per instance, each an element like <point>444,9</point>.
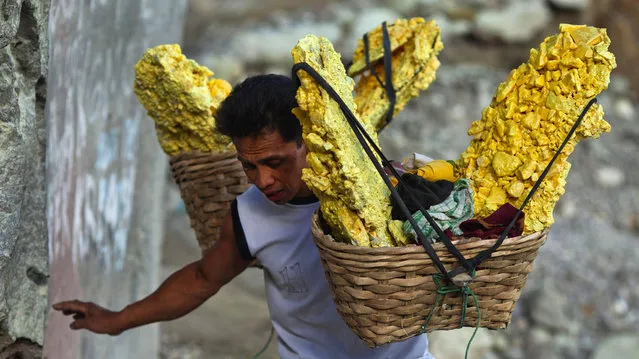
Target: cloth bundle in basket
<point>208,183</point>
<point>387,294</point>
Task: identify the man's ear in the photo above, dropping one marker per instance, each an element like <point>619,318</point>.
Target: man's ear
<point>302,147</point>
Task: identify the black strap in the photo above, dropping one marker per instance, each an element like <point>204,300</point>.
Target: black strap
<point>390,92</point>
<point>365,141</point>
<point>488,252</point>
<point>388,72</point>
<point>356,126</point>
<point>368,61</point>
<point>363,137</point>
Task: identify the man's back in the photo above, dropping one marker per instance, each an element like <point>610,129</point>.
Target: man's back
<point>299,298</point>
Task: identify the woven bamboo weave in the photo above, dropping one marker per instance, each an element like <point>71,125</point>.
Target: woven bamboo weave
<point>208,183</point>
<point>385,294</point>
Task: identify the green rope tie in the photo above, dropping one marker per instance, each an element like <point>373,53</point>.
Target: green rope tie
<point>465,291</point>
<point>268,342</point>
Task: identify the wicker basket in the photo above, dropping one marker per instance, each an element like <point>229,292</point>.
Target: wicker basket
<point>386,294</point>
<point>208,183</point>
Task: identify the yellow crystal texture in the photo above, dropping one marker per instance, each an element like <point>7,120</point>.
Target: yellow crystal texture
<point>528,119</point>
<point>415,45</point>
<point>182,98</point>
<point>354,200</point>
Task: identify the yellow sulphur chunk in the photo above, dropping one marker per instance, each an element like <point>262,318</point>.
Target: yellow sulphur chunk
<point>182,98</point>
<point>528,119</point>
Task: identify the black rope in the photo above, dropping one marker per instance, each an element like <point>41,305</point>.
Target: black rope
<point>390,92</point>
<point>488,252</point>
<point>442,236</point>
<point>388,72</point>
<point>367,58</point>
<point>365,140</point>
<point>467,265</point>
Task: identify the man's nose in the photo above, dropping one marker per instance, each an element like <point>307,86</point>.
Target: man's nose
<point>264,178</point>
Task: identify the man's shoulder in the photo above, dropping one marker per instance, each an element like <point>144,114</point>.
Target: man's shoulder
<point>252,196</point>
<point>252,203</point>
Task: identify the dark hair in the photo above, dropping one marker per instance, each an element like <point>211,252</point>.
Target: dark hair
<point>260,103</point>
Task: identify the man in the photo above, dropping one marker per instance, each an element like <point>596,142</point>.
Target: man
<point>270,222</point>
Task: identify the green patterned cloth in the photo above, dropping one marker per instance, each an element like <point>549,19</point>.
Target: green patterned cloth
<point>455,209</point>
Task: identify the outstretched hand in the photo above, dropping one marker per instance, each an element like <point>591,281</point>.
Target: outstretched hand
<point>90,316</point>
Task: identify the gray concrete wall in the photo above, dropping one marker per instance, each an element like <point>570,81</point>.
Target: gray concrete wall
<point>105,170</point>
<point>23,225</point>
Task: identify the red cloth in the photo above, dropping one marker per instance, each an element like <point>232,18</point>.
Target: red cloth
<point>495,224</point>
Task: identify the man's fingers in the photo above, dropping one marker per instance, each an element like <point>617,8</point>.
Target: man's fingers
<point>59,306</point>
<point>78,324</point>
<point>65,304</point>
<point>74,306</point>
<point>76,315</point>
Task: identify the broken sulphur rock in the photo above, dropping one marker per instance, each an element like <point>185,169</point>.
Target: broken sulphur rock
<point>354,200</point>
<point>415,44</point>
<point>530,115</point>
<point>182,98</point>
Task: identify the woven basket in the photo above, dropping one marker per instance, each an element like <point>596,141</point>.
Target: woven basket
<point>385,294</point>
<point>208,183</point>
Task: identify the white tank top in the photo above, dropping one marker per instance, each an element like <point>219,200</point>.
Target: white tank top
<point>299,299</point>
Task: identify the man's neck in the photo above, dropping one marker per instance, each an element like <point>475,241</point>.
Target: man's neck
<point>304,196</point>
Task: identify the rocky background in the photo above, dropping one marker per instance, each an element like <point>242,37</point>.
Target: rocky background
<point>23,223</point>
<point>582,298</point>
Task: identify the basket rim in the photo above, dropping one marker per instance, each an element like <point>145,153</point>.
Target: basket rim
<point>327,241</point>
<point>195,155</point>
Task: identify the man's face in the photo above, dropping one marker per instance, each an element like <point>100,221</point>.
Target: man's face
<point>273,165</point>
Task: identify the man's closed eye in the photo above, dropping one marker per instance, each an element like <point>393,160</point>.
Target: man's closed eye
<point>274,163</point>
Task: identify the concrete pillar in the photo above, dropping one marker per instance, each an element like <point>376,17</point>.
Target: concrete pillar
<point>105,170</point>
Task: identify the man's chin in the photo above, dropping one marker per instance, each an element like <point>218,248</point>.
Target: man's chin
<point>280,197</point>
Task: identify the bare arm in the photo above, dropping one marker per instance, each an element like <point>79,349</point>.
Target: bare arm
<point>181,293</point>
